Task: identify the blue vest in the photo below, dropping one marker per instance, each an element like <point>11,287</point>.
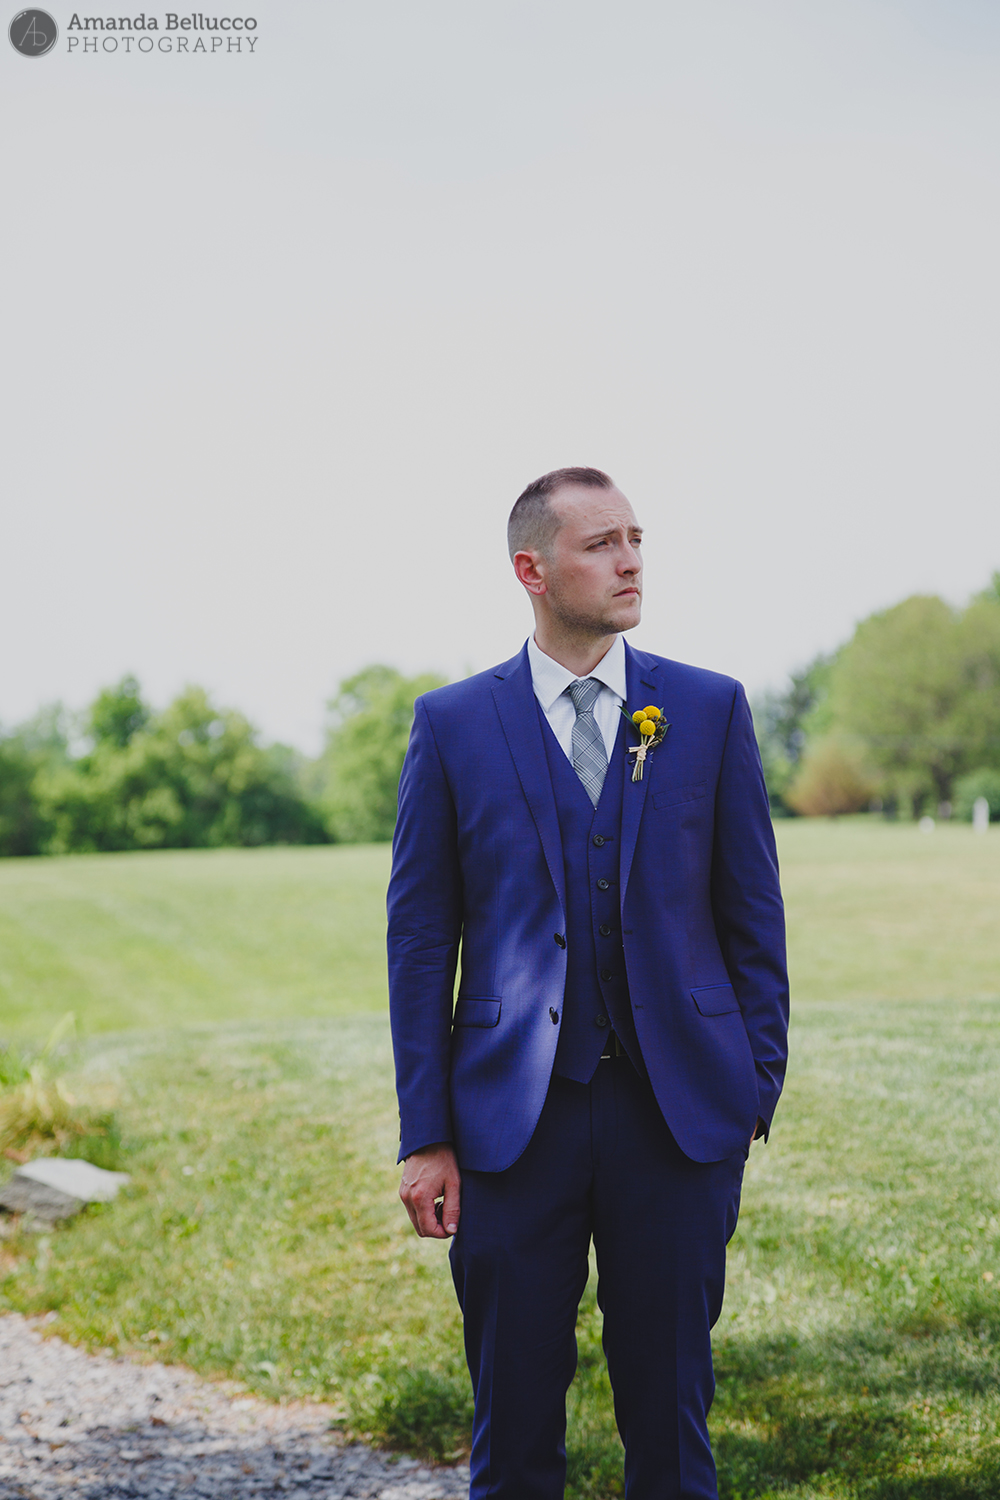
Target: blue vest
<point>596,998</point>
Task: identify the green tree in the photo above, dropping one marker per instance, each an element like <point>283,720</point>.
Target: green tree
<point>117,714</point>
<point>918,687</point>
<point>193,776</point>
<point>371,718</point>
<point>897,686</point>
<point>24,752</point>
<point>782,721</point>
<point>23,829</point>
<point>976,718</point>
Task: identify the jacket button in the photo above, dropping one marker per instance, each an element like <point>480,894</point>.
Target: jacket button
<point>555,1016</point>
<point>605,973</point>
<point>601,1020</point>
<point>602,884</point>
<point>599,841</point>
<point>560,940</point>
<point>604,930</point>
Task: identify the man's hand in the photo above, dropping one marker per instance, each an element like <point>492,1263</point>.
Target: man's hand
<point>431,1190</point>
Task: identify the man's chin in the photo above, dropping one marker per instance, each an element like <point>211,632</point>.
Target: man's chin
<point>621,615</point>
<point>628,617</point>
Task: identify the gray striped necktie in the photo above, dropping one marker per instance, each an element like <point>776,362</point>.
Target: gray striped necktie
<point>590,756</point>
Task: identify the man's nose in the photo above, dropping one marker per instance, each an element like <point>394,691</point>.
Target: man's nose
<point>631,562</point>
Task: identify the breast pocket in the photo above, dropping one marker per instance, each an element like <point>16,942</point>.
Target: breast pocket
<point>476,1012</point>
<point>675,796</point>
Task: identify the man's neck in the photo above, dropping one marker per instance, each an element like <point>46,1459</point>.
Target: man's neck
<point>579,656</point>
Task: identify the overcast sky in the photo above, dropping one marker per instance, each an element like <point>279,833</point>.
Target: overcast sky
<point>286,333</point>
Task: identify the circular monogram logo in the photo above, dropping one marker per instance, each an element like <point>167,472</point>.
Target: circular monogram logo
<point>33,33</point>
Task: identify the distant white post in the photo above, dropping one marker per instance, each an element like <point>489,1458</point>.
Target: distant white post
<point>980,815</point>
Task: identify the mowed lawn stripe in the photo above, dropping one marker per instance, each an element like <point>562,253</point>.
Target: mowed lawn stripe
<point>884,911</point>
<point>191,936</point>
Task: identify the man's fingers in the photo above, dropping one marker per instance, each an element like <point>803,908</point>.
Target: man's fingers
<point>451,1205</point>
<point>420,1206</point>
<point>411,1209</point>
<point>427,1219</point>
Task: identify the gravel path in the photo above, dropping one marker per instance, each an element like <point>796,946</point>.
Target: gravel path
<point>92,1426</point>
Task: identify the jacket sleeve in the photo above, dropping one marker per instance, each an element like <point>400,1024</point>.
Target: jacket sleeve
<point>747,905</point>
<point>425,925</point>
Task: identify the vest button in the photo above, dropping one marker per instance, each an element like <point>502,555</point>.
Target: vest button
<point>560,941</point>
<point>599,841</point>
<point>601,1020</point>
<point>555,1015</point>
<point>604,930</point>
<point>602,884</point>
<point>605,973</point>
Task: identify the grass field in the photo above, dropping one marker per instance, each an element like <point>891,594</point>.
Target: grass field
<point>236,999</point>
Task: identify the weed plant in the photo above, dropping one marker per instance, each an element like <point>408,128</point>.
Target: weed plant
<point>38,1114</point>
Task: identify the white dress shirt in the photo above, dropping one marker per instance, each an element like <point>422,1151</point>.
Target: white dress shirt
<point>550,680</point>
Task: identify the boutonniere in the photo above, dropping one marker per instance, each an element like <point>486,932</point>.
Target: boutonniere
<point>651,727</point>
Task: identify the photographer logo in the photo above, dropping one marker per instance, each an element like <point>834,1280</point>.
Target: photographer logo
<point>33,33</point>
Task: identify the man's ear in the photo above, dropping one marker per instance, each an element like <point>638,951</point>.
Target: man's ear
<point>530,569</point>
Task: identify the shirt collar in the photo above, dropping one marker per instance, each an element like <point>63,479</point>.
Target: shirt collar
<point>549,678</point>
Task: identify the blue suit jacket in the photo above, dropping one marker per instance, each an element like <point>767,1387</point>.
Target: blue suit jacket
<point>478,866</point>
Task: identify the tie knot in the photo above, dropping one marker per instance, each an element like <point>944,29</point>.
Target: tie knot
<point>584,694</point>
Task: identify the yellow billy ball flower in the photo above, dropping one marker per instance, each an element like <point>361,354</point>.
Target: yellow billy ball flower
<point>638,716</point>
<point>646,728</point>
<point>652,713</point>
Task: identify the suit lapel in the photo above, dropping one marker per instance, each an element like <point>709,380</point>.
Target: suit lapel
<point>640,678</point>
<point>514,696</point>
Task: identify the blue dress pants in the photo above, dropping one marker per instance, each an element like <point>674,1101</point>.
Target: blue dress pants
<point>601,1163</point>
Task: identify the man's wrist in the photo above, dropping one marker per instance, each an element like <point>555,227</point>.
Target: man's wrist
<point>431,1146</point>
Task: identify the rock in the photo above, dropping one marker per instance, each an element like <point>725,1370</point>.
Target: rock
<point>78,1179</point>
<point>37,1200</point>
<point>53,1188</point>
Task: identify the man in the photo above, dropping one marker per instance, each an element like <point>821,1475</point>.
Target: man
<point>619,1035</point>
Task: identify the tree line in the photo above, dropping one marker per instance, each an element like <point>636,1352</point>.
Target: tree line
<point>192,776</point>
<point>903,718</point>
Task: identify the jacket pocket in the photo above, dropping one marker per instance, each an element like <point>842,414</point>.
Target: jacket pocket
<point>673,796</point>
<point>715,999</point>
<point>476,1012</point>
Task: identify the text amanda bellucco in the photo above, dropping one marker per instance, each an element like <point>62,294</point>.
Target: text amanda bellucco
<point>192,32</point>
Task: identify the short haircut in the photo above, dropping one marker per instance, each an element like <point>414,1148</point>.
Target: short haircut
<point>533,521</point>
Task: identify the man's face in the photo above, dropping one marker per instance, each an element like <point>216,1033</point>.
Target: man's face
<point>593,570</point>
